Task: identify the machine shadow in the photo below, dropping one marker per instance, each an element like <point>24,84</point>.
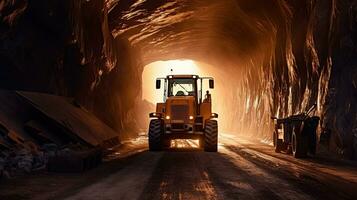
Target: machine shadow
<point>202,175</point>
<point>195,174</point>
<point>185,149</point>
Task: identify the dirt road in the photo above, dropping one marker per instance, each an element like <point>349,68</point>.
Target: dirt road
<point>240,170</point>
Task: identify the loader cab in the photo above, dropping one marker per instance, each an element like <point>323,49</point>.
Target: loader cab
<point>184,86</point>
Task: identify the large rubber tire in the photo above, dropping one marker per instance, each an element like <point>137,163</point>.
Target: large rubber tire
<point>155,132</point>
<point>299,143</point>
<point>211,136</point>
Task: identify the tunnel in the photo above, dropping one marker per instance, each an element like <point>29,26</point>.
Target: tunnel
<point>79,100</point>
<point>269,58</point>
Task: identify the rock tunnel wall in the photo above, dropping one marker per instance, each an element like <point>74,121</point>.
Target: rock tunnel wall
<point>279,56</point>
<point>315,62</point>
<point>66,48</point>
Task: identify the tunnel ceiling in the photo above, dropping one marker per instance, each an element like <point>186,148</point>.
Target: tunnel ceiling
<point>191,28</point>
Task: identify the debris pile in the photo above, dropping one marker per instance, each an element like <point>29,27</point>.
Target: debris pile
<point>18,155</point>
<point>35,135</point>
<point>74,159</point>
<point>26,157</point>
<point>19,161</point>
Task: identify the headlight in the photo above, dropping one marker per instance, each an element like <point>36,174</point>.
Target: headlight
<point>167,117</point>
<point>191,117</point>
<point>214,115</point>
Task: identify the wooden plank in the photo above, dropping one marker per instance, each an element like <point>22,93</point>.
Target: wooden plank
<point>77,120</point>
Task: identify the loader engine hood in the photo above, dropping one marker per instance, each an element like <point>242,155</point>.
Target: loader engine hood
<point>180,109</point>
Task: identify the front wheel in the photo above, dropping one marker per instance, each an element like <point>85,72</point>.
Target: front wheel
<point>211,136</point>
<point>155,132</point>
<point>299,144</point>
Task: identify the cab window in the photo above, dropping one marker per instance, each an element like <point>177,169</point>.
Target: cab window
<point>182,87</point>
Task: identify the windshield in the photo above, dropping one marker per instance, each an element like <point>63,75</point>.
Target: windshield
<point>182,87</point>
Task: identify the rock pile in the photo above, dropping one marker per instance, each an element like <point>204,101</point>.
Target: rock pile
<point>69,158</point>
<point>20,160</point>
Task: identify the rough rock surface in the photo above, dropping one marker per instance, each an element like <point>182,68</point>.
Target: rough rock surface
<point>59,47</point>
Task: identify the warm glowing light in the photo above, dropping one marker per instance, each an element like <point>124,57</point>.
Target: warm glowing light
<point>191,117</point>
<point>185,143</point>
<point>167,117</point>
<point>163,69</point>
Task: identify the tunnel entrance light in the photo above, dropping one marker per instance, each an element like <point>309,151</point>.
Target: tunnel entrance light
<point>162,69</point>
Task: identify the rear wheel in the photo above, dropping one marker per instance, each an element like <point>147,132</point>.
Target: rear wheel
<point>299,143</point>
<point>211,136</point>
<point>155,132</point>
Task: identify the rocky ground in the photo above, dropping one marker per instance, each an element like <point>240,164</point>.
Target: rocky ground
<point>240,170</point>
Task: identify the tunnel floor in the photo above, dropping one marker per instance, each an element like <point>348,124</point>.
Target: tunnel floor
<point>240,170</point>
